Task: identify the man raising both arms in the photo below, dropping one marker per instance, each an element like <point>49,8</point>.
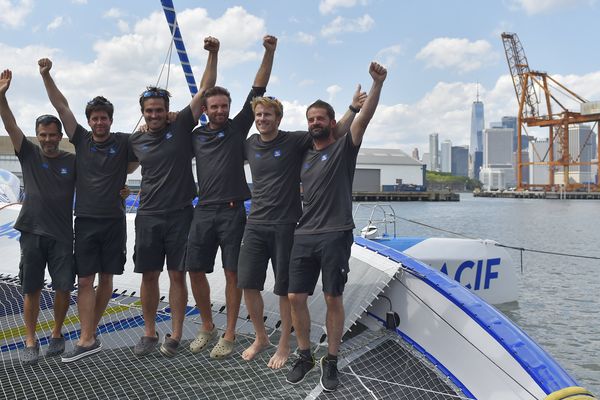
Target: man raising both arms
<point>220,215</point>
<point>275,158</point>
<point>165,211</point>
<point>324,234</point>
<point>100,227</point>
<point>45,222</point>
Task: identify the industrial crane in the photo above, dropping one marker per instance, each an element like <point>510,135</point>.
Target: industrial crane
<point>525,82</point>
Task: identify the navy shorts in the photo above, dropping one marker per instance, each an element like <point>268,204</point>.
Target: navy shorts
<point>159,236</point>
<point>326,252</point>
<point>259,244</point>
<point>38,251</point>
<point>100,245</point>
<point>215,226</point>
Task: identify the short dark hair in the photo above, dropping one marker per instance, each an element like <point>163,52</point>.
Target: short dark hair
<point>153,92</point>
<point>46,120</point>
<point>324,105</point>
<point>214,91</point>
<point>99,103</point>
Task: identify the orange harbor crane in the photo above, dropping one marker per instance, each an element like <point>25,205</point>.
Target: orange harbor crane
<point>526,83</point>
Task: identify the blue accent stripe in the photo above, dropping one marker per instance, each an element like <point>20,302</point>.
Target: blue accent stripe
<point>542,368</point>
<point>400,243</point>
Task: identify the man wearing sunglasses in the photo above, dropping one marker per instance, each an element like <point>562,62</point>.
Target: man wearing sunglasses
<point>165,212</point>
<point>45,222</point>
<point>220,215</point>
<point>103,160</point>
<point>275,158</point>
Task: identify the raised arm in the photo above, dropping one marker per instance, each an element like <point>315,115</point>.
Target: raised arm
<point>358,127</point>
<point>58,100</point>
<point>209,77</point>
<point>343,125</point>
<point>8,119</point>
<point>264,71</point>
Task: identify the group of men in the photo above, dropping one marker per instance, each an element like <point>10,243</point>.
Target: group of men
<point>301,238</point>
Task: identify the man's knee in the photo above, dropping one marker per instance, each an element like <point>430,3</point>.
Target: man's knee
<point>297,299</point>
<point>86,282</point>
<point>150,277</point>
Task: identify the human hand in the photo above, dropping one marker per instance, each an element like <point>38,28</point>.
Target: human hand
<point>359,98</point>
<point>45,65</point>
<point>270,42</point>
<point>172,116</point>
<point>125,192</point>
<point>5,78</point>
<point>143,128</point>
<point>211,44</point>
<point>377,72</point>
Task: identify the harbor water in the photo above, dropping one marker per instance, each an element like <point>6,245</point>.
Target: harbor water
<point>558,295</point>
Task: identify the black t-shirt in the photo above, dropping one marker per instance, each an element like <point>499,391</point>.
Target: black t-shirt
<point>49,185</point>
<point>101,173</point>
<point>327,177</point>
<point>166,161</point>
<point>220,157</point>
<point>275,168</point>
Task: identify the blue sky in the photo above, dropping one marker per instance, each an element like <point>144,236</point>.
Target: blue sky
<point>437,52</point>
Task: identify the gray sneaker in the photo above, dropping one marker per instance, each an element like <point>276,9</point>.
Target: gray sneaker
<point>79,352</point>
<point>56,346</point>
<point>30,355</point>
<point>146,345</point>
<point>170,346</point>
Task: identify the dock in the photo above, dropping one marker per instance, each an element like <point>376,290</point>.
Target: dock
<point>406,196</point>
<point>508,194</point>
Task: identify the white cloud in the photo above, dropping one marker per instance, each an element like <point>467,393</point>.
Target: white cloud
<point>114,13</point>
<point>79,1</point>
<point>13,12</point>
<point>329,6</point>
<point>388,55</point>
<point>332,91</point>
<point>306,82</point>
<point>532,7</point>
<point>123,26</point>
<point>306,38</point>
<point>460,54</point>
<point>343,25</point>
<point>55,23</point>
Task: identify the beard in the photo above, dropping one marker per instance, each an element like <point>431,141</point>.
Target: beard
<point>323,133</point>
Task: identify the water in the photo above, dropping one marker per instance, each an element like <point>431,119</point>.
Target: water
<point>558,299</point>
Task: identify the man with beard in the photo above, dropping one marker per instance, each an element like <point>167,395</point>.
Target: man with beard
<point>100,228</point>
<point>323,236</point>
<point>45,222</point>
<point>167,190</point>
<point>275,158</point>
<point>220,215</point>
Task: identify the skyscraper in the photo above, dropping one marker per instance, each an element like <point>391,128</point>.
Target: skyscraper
<point>497,171</point>
<point>415,153</point>
<point>460,160</point>
<point>434,152</point>
<point>476,144</point>
<point>446,156</point>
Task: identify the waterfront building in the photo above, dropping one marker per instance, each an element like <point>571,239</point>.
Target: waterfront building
<point>582,148</point>
<point>426,160</point>
<point>434,152</point>
<point>459,160</point>
<point>446,156</point>
<point>498,159</point>
<point>415,154</point>
<point>538,152</point>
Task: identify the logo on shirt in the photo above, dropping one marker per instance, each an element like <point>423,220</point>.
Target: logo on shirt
<point>277,153</point>
<point>64,171</point>
<point>45,165</point>
<point>93,149</point>
<point>145,147</point>
<point>168,136</point>
<point>257,155</point>
<point>306,166</point>
<point>112,151</point>
<point>324,157</point>
<point>221,135</point>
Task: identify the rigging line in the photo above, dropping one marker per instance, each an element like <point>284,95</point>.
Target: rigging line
<point>362,383</point>
<point>432,227</point>
<point>553,253</point>
<point>465,338</point>
<point>400,384</point>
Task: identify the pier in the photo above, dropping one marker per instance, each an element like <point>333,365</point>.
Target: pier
<point>406,196</point>
<point>508,194</point>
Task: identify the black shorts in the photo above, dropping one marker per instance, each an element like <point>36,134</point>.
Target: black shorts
<point>327,252</point>
<point>215,226</point>
<point>259,244</point>
<point>159,236</point>
<point>36,252</point>
<point>100,245</point>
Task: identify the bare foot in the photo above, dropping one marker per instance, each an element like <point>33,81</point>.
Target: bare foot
<point>279,358</point>
<point>255,348</point>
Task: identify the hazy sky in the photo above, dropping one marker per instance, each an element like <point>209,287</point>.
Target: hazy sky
<point>436,53</point>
